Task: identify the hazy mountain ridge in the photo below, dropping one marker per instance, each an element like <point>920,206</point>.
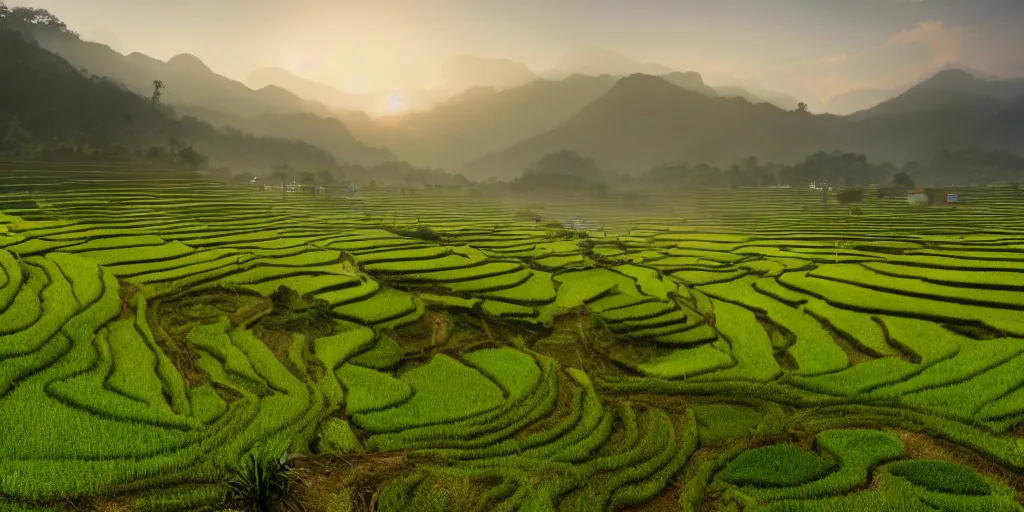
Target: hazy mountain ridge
<point>480,120</point>
<point>342,102</point>
<point>755,95</point>
<point>951,89</point>
<point>462,72</point>
<point>627,124</point>
<point>860,99</point>
<point>596,61</point>
<point>187,79</point>
<point>645,121</point>
<point>192,87</point>
<point>326,133</point>
<point>48,105</point>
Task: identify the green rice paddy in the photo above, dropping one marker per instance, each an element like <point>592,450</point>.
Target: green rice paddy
<point>740,350</point>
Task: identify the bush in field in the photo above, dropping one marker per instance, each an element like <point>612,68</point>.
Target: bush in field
<point>264,482</point>
<point>292,313</point>
<point>421,232</point>
<point>284,297</point>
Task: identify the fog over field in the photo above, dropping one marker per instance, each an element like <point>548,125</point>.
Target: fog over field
<point>354,256</point>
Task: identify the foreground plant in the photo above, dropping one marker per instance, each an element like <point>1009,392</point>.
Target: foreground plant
<point>264,483</point>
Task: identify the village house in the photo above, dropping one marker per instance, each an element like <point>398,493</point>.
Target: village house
<point>918,197</point>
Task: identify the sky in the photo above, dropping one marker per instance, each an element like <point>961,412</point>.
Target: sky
<point>813,49</point>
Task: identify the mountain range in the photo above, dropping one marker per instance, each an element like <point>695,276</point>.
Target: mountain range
<point>651,116</point>
<point>49,106</point>
<point>193,88</point>
<point>592,60</point>
<point>644,121</point>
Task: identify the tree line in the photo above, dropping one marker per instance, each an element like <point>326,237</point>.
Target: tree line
<point>570,171</point>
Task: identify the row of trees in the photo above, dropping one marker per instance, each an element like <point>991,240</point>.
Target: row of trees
<point>308,180</point>
<point>568,170</point>
<point>841,169</point>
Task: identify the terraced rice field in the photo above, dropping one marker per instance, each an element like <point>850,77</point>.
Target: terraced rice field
<point>736,350</point>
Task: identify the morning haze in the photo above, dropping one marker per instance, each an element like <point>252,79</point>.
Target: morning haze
<point>528,256</point>
<point>811,50</point>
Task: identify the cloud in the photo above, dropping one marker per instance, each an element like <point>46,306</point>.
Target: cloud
<point>903,58</point>
<point>835,59</point>
<point>946,43</point>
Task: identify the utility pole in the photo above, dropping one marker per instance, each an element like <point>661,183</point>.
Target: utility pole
<point>282,171</point>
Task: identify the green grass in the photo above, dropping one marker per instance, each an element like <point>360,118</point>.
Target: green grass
<point>682,363</point>
<point>857,453</point>
<point>370,390</point>
<point>476,359</point>
<point>942,476</point>
<point>776,465</point>
<point>443,390</point>
<point>721,422</point>
<point>386,304</point>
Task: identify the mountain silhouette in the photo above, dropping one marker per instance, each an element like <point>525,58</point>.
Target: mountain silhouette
<point>187,80</point>
<point>194,89</point>
<point>463,72</point>
<point>594,61</point>
<point>480,120</point>
<point>44,99</point>
<point>952,89</point>
<point>691,81</point>
<point>644,121</point>
<point>342,102</point>
<point>781,100</point>
<point>860,99</point>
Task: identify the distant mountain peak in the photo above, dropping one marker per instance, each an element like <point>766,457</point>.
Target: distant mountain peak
<point>951,89</point>
<point>952,79</point>
<point>465,71</point>
<point>689,75</point>
<point>634,79</point>
<point>691,81</point>
<point>594,60</point>
<point>642,83</point>
<point>188,61</point>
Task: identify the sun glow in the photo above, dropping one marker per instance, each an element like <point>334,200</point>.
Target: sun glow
<point>396,102</point>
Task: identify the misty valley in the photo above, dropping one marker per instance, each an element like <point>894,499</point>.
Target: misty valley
<point>609,285</point>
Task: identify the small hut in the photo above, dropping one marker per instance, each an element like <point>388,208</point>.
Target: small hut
<point>917,197</point>
<point>952,197</point>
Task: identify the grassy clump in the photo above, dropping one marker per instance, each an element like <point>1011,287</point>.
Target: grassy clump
<point>777,465</point>
<point>336,436</point>
<point>384,354</point>
<point>719,422</point>
<point>942,476</point>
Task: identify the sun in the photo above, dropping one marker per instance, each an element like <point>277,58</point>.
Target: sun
<point>396,102</point>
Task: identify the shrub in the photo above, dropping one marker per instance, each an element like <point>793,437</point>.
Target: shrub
<point>262,481</point>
